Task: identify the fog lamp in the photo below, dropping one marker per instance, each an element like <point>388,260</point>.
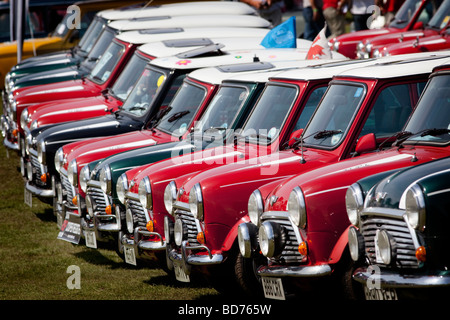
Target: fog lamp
<point>129,221</point>
<point>150,226</point>
<point>201,237</point>
<point>355,244</point>
<point>421,254</point>
<point>303,248</point>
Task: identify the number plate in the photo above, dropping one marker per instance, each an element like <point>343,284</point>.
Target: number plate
<point>380,294</point>
<point>130,255</point>
<point>273,288</point>
<point>70,231</point>
<point>90,239</point>
<point>28,198</point>
<point>180,275</point>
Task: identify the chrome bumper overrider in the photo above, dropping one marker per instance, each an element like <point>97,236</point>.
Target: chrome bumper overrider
<point>46,193</point>
<point>209,259</point>
<point>389,279</point>
<point>296,272</point>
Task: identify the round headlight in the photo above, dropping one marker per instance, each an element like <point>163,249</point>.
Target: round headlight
<point>105,179</point>
<point>129,220</point>
<point>59,159</point>
<point>72,173</point>
<point>196,201</point>
<point>122,187</point>
<point>28,143</point>
<point>255,206</point>
<point>355,244</point>
<point>384,245</point>
<point>415,207</point>
<point>41,152</point>
<point>360,46</point>
<point>354,202</point>
<point>297,208</point>
<point>34,125</point>
<point>170,195</point>
<point>145,193</point>
<point>178,232</point>
<point>84,178</point>
<point>24,119</point>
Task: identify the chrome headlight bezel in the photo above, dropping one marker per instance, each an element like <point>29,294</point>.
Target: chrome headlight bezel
<point>121,187</point>
<point>41,152</point>
<point>105,179</point>
<point>415,210</point>
<point>255,207</point>
<point>170,195</point>
<point>354,203</point>
<point>296,207</point>
<point>145,193</point>
<point>59,159</point>
<point>196,201</point>
<point>84,177</point>
<point>24,120</point>
<point>72,172</point>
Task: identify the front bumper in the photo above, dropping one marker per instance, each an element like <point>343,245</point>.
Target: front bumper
<point>295,272</point>
<point>390,279</point>
<point>10,141</point>
<point>40,192</point>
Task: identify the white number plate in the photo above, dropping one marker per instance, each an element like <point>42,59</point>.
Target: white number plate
<point>273,288</point>
<point>130,255</point>
<point>28,198</point>
<point>180,275</point>
<point>90,239</point>
<point>380,294</point>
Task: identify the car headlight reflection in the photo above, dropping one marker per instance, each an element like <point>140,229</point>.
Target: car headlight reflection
<point>122,187</point>
<point>297,208</point>
<point>72,172</point>
<point>145,193</point>
<point>415,207</point>
<point>170,195</point>
<point>255,206</point>
<point>354,202</point>
<point>196,201</point>
<point>84,177</point>
<point>105,179</point>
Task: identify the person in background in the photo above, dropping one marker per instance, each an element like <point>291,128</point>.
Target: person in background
<point>271,10</point>
<point>334,14</point>
<point>389,8</point>
<point>313,16</point>
<point>361,14</point>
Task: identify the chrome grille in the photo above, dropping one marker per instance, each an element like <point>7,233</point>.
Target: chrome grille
<point>138,213</point>
<point>67,188</point>
<point>97,198</point>
<point>290,251</point>
<point>398,229</point>
<point>189,222</point>
<point>36,169</point>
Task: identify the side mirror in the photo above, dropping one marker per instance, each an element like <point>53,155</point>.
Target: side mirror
<point>295,136</point>
<point>418,25</point>
<point>366,143</point>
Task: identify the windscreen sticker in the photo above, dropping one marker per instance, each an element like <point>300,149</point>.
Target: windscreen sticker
<point>358,92</point>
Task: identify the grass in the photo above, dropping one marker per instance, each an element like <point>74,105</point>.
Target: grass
<point>34,263</point>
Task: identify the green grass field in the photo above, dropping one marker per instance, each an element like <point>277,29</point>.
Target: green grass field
<point>34,263</point>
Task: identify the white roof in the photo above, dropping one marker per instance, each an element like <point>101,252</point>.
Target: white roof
<point>180,9</point>
<point>192,21</point>
<point>169,47</point>
<point>230,57</point>
<point>217,75</point>
<point>137,36</point>
<point>397,66</point>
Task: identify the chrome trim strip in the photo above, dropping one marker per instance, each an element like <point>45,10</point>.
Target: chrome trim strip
<point>295,271</point>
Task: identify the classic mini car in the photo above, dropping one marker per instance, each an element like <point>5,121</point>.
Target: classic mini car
<point>62,38</point>
<point>101,77</point>
<point>16,77</point>
<point>412,15</point>
<point>223,115</point>
<point>356,115</point>
<point>49,113</point>
<point>302,226</point>
<point>295,95</point>
<point>437,42</point>
<point>399,239</point>
<point>162,77</point>
<point>438,22</point>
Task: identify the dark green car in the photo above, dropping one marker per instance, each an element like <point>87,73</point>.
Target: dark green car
<point>401,240</point>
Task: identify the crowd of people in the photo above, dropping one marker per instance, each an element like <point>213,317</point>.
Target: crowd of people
<point>334,13</point>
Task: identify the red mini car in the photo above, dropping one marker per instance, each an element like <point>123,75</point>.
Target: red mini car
<point>247,148</point>
<point>437,42</point>
<point>412,15</point>
<point>303,224</point>
<point>439,21</point>
<point>360,111</point>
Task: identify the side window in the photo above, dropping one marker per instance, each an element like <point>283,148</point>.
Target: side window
<point>310,107</point>
<point>390,111</point>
